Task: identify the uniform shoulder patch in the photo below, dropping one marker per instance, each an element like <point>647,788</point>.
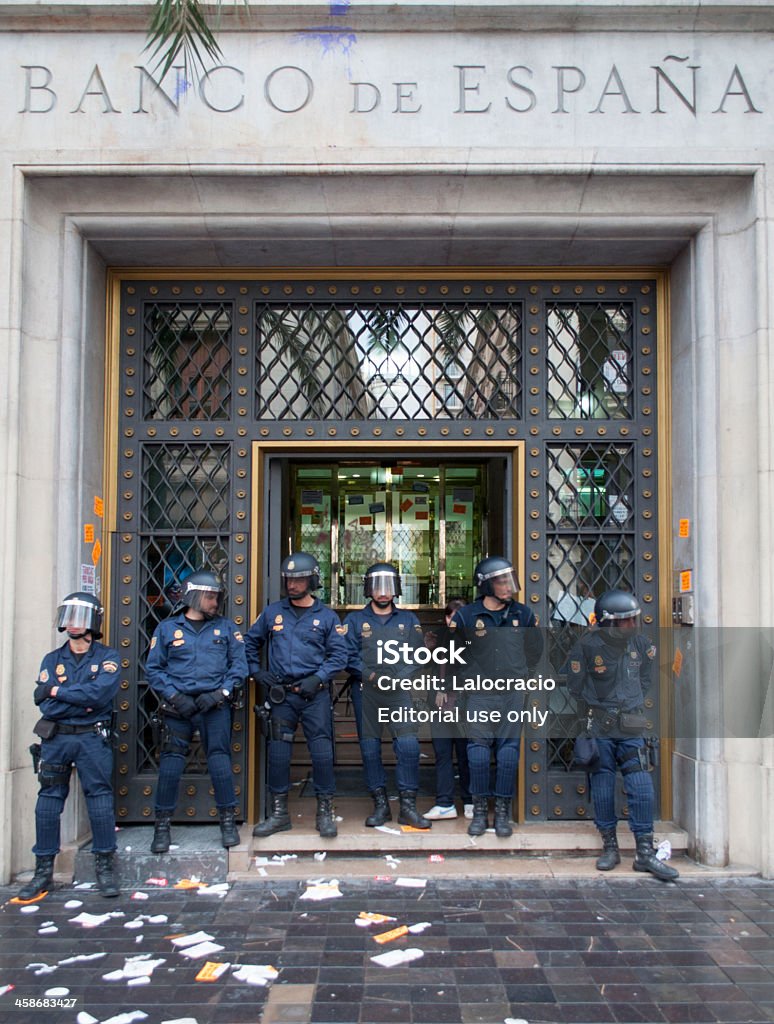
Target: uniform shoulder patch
<point>651,651</point>
<point>43,677</point>
<point>343,629</point>
<point>154,641</point>
<point>575,666</point>
<point>238,636</point>
<point>110,666</point>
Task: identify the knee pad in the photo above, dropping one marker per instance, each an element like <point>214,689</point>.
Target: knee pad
<point>321,749</point>
<point>51,774</point>
<point>281,731</point>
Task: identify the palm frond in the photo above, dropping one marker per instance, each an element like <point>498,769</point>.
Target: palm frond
<point>178,29</point>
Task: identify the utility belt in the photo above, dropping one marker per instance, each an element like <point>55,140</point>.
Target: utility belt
<point>604,721</point>
<point>47,728</point>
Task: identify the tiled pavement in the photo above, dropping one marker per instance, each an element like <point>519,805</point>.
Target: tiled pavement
<point>617,949</point>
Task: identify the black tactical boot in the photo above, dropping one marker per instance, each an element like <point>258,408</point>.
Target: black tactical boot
<point>480,821</point>
<point>325,823</point>
<point>381,812</point>
<point>502,817</point>
<point>278,820</point>
<point>610,855</point>
<point>41,881</point>
<point>408,813</point>
<point>161,834</point>
<point>229,833</point>
<point>104,869</point>
<point>645,859</point>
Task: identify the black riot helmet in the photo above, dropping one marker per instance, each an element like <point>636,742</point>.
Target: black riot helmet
<point>197,584</point>
<point>80,613</point>
<point>300,565</point>
<point>382,580</point>
<point>614,606</point>
<point>495,569</point>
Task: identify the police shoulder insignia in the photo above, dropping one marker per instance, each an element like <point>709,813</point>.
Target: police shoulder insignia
<point>60,669</point>
<point>480,624</point>
<point>575,666</point>
<point>238,636</point>
<point>598,660</point>
<point>401,626</point>
<point>94,668</point>
<point>315,622</point>
<point>633,654</point>
<point>110,666</point>
<point>43,677</point>
<point>366,627</point>
<point>154,641</point>
<point>343,629</point>
<point>651,652</point>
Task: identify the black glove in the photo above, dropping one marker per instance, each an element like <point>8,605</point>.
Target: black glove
<point>265,678</point>
<point>308,687</point>
<point>41,692</point>
<point>209,700</point>
<point>183,704</point>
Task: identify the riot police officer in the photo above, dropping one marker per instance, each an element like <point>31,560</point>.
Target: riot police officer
<point>380,620</point>
<point>305,651</point>
<point>75,689</point>
<point>195,662</point>
<point>610,672</point>
<point>503,642</point>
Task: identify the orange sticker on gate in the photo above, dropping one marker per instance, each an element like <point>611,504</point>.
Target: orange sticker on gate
<point>88,533</point>
<point>96,552</point>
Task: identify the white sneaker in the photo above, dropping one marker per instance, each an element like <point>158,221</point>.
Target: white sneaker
<point>437,813</point>
<point>468,809</point>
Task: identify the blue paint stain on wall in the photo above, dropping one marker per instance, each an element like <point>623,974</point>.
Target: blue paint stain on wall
<point>331,41</point>
<point>339,8</point>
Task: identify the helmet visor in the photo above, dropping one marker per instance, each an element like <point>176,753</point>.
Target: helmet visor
<point>382,584</point>
<point>196,592</point>
<point>499,580</point>
<point>76,615</point>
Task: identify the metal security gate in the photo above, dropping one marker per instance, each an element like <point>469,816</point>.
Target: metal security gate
<point>202,367</point>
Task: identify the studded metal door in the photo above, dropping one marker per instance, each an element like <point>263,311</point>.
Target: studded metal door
<point>205,366</point>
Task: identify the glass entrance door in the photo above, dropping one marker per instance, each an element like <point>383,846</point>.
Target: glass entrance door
<point>430,519</point>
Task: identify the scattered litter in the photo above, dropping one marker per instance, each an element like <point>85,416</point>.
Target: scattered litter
<point>411,883</point>
<point>142,980</point>
<point>211,971</point>
<point>664,850</point>
<point>188,883</point>
<point>191,940</point>
<point>95,920</point>
<point>138,939</point>
<point>390,936</point>
<point>202,949</point>
<point>157,881</point>
<point>6,988</point>
<point>73,904</point>
<point>174,846</point>
<point>134,967</point>
<point>419,927</point>
<point>322,891</point>
<point>85,1018</point>
<point>392,862</point>
<point>338,817</point>
<point>181,1020</point>
<point>365,918</point>
<point>139,896</point>
<point>40,968</point>
<point>410,828</point>
<point>320,857</point>
<point>84,885</point>
<point>136,923</point>
<point>219,889</point>
<point>127,849</point>
<point>57,992</point>
<point>126,1018</point>
<point>514,1020</point>
<point>256,974</point>
<point>386,828</point>
<point>35,899</point>
<point>30,910</point>
<point>48,929</point>
<point>81,958</point>
<point>436,858</point>
<point>263,872</point>
<point>282,857</point>
<point>397,956</point>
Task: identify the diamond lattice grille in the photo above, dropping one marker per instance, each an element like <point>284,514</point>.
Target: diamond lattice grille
<point>185,487</point>
<point>360,362</point>
<point>187,361</point>
<point>589,360</point>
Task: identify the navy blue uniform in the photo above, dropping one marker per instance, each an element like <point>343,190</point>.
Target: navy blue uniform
<point>81,708</point>
<point>502,643</point>
<point>186,660</point>
<point>609,673</point>
<point>301,642</point>
<point>364,629</point>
